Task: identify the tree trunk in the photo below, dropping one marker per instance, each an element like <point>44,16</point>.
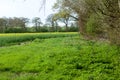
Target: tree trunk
<point>114,31</point>
<point>66,26</point>
<point>81,26</point>
<point>36,27</point>
<point>114,22</point>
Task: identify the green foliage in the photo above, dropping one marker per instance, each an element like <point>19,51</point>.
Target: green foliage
<point>90,13</point>
<point>15,30</point>
<point>44,29</point>
<point>73,29</point>
<point>68,58</point>
<point>93,25</point>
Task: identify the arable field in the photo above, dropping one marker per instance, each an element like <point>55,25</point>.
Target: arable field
<point>17,38</point>
<point>59,58</point>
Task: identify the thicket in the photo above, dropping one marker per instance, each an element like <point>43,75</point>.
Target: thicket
<point>96,18</point>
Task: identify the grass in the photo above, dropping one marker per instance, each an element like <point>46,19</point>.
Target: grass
<point>61,58</point>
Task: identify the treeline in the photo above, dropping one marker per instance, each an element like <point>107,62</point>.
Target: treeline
<point>20,25</point>
<point>96,18</point>
<point>13,24</point>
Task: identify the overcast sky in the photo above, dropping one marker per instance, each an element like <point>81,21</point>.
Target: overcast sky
<point>25,8</point>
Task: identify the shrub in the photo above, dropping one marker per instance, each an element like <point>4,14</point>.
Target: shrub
<point>93,26</point>
<point>15,30</point>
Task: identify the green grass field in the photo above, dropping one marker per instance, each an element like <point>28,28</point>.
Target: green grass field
<point>60,58</point>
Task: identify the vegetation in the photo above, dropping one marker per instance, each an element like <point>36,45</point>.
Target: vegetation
<point>68,58</point>
<point>104,12</point>
<point>9,39</point>
<point>13,24</point>
<point>37,22</point>
<point>20,25</point>
<point>29,55</point>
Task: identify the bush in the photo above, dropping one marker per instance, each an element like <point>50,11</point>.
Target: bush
<point>15,30</point>
<point>44,29</point>
<point>73,29</point>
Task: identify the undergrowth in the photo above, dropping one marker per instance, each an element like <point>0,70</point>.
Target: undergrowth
<point>68,58</point>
